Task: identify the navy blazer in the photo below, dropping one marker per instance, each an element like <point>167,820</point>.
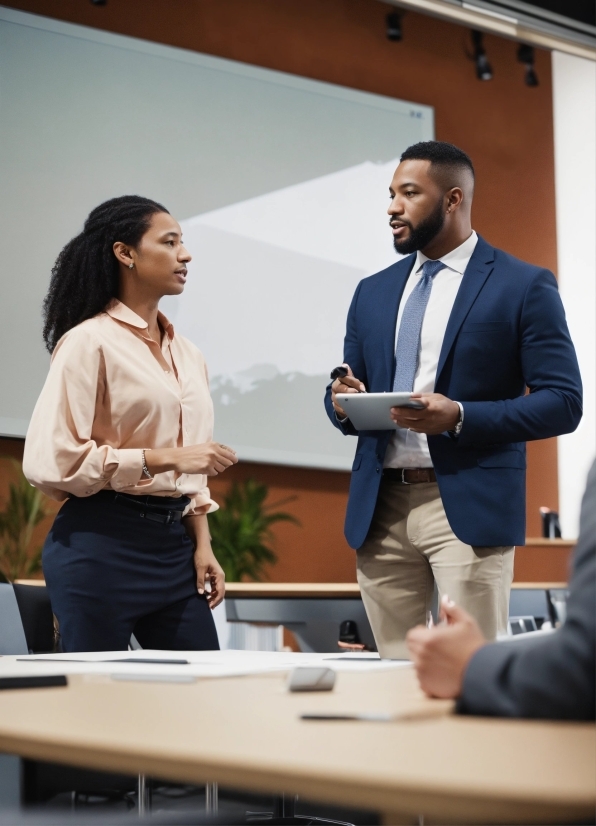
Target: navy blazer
<point>506,332</point>
<point>546,675</point>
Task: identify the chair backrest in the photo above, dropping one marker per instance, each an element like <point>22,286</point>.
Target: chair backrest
<point>36,614</point>
<point>12,633</point>
<point>529,602</point>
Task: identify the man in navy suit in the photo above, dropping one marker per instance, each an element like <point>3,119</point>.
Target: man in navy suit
<point>469,329</point>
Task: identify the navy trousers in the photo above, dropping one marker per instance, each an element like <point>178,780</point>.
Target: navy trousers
<point>111,573</point>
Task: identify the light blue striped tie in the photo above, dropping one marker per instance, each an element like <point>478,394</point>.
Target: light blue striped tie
<point>408,337</point>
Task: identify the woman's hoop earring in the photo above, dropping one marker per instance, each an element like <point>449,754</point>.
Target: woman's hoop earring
<point>131,265</point>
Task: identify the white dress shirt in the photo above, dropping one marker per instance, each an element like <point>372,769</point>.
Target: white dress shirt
<point>408,449</point>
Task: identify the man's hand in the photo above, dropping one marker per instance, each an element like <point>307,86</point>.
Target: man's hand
<point>439,414</point>
<point>347,384</point>
<point>441,654</point>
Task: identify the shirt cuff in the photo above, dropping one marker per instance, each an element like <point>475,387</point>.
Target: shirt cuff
<point>341,421</point>
<point>201,503</point>
<point>457,429</point>
<point>129,470</point>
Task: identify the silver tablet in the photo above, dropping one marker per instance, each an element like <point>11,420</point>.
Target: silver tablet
<point>371,411</point>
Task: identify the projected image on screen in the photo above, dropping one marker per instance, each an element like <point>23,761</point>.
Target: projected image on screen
<point>281,187</point>
<point>282,268</point>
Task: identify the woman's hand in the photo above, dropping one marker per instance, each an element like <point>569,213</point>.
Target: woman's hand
<point>209,570</point>
<point>209,458</point>
<point>206,565</point>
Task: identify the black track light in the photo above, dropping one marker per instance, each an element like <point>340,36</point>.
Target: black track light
<point>525,55</point>
<point>393,21</point>
<point>99,2</point>
<point>483,68</point>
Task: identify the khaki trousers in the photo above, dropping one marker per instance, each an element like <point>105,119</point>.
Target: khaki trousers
<point>409,547</point>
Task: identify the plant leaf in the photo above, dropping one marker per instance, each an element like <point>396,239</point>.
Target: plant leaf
<point>24,510</point>
<point>241,531</point>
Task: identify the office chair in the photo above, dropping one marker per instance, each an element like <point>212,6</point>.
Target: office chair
<point>27,627</point>
<point>12,634</point>
<point>36,615</point>
<point>529,608</point>
<point>284,814</point>
<point>44,817</point>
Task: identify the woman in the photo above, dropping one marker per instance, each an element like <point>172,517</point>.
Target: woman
<point>123,431</point>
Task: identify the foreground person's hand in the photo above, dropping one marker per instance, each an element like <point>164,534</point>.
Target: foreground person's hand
<point>441,654</point>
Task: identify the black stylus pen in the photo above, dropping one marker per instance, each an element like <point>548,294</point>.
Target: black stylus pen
<point>128,660</point>
<point>341,372</point>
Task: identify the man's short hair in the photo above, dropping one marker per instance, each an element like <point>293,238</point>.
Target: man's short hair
<point>448,160</point>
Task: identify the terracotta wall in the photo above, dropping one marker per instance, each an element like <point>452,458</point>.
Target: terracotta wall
<point>505,126</point>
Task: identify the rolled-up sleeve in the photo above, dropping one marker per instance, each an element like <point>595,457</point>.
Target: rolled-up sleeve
<point>61,457</point>
<point>202,503</point>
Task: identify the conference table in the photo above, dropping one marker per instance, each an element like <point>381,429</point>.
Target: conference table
<point>229,718</point>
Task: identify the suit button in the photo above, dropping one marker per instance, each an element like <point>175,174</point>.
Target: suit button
<point>377,469</point>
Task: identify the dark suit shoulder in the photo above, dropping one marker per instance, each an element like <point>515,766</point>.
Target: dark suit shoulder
<point>522,269</point>
<point>512,273</point>
<point>389,274</point>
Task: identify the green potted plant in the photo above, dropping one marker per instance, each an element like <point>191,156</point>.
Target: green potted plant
<point>241,530</point>
<point>24,509</point>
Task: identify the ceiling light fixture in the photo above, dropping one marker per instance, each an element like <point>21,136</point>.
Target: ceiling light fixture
<point>525,55</point>
<point>483,68</point>
<point>394,31</point>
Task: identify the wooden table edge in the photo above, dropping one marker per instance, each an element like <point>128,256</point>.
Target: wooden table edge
<point>448,805</point>
<point>312,590</point>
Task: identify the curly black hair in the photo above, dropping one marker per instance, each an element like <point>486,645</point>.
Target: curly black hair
<point>85,277</point>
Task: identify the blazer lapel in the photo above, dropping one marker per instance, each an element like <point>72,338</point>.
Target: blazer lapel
<point>388,320</point>
<point>479,268</point>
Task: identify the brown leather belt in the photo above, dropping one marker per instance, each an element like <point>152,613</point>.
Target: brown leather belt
<point>409,475</point>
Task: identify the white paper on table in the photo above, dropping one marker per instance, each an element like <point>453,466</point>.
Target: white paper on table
<point>202,664</point>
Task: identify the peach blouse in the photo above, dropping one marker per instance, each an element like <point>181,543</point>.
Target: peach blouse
<point>112,391</point>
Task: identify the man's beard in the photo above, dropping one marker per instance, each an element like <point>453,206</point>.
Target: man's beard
<point>423,234</point>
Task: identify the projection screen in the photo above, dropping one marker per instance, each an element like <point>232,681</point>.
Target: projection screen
<point>280,184</point>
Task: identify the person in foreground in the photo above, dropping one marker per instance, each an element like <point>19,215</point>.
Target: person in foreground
<point>122,431</point>
<point>547,675</point>
<point>468,328</point>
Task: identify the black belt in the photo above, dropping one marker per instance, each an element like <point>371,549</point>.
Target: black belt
<point>410,475</point>
<point>147,509</point>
